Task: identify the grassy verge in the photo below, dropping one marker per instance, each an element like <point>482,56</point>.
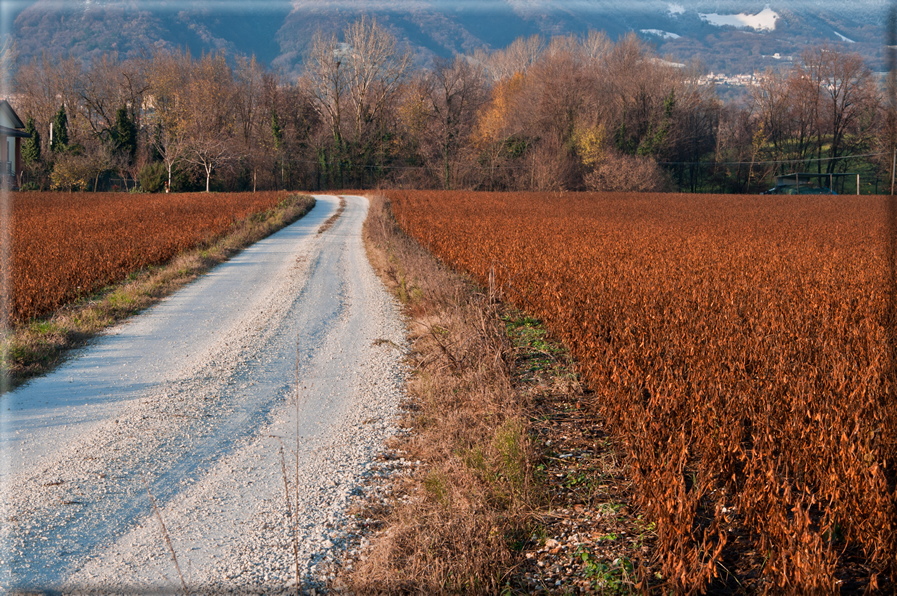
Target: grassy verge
<point>332,219</point>
<point>39,345</point>
<point>519,490</point>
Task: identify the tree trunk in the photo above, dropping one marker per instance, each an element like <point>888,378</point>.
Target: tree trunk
<point>446,172</point>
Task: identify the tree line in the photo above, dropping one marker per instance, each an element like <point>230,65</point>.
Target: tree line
<point>566,113</point>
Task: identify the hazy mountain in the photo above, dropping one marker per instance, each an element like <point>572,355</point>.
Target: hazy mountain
<point>728,36</point>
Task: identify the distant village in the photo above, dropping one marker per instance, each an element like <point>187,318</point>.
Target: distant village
<point>737,80</point>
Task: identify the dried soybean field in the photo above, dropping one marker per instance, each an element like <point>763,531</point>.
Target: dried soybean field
<point>66,246</point>
<point>739,346</point>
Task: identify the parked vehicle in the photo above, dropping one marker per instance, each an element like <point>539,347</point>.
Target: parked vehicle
<point>807,189</point>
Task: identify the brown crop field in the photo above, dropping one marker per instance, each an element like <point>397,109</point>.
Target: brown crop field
<point>66,246</point>
<point>738,346</point>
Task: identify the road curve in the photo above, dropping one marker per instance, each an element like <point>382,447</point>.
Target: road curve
<point>290,353</point>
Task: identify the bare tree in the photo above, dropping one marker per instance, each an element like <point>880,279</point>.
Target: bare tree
<point>97,160</point>
<point>43,85</point>
<point>167,77</point>
<point>453,93</point>
<point>325,82</point>
<point>552,106</point>
<point>352,83</point>
<point>107,85</point>
<point>374,70</point>
<point>249,80</point>
<point>208,118</point>
<point>515,59</point>
<point>596,46</point>
<point>627,173</point>
<point>8,56</point>
<point>844,84</point>
<point>99,95</point>
<point>210,151</point>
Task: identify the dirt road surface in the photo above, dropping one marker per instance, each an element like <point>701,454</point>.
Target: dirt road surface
<point>191,404</point>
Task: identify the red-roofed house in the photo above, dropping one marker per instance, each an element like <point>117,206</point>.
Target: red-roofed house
<point>11,135</point>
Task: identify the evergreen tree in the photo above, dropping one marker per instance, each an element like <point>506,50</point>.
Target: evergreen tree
<point>31,146</point>
<point>654,141</point>
<point>276,131</point>
<point>156,142</point>
<point>60,131</point>
<point>124,135</point>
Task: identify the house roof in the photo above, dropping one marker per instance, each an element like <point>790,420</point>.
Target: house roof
<point>12,132</point>
<point>11,114</point>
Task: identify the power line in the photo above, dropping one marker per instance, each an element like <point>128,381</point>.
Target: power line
<point>760,163</point>
<point>519,166</point>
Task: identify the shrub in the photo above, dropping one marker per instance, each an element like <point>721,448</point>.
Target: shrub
<point>627,173</point>
<point>152,177</point>
<point>70,172</point>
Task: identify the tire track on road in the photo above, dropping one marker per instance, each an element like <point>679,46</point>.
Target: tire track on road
<point>205,429</point>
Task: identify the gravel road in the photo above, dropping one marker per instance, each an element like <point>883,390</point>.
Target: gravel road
<point>193,403</point>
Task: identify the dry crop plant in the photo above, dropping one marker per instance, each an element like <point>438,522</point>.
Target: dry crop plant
<point>66,246</point>
<point>738,346</point>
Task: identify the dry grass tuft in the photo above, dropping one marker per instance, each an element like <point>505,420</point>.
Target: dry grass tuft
<point>332,219</point>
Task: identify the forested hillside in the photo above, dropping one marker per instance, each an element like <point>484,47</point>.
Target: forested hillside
<point>725,35</point>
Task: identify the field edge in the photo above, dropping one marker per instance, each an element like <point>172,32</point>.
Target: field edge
<point>490,401</point>
<point>37,346</point>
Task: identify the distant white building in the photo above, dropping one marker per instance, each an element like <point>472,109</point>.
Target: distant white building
<point>11,135</point>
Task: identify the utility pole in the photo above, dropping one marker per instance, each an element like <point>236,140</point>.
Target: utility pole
<point>891,54</point>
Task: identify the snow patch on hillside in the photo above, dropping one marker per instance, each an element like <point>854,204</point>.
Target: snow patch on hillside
<point>844,39</point>
<point>675,9</point>
<point>659,33</point>
<point>765,20</point>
